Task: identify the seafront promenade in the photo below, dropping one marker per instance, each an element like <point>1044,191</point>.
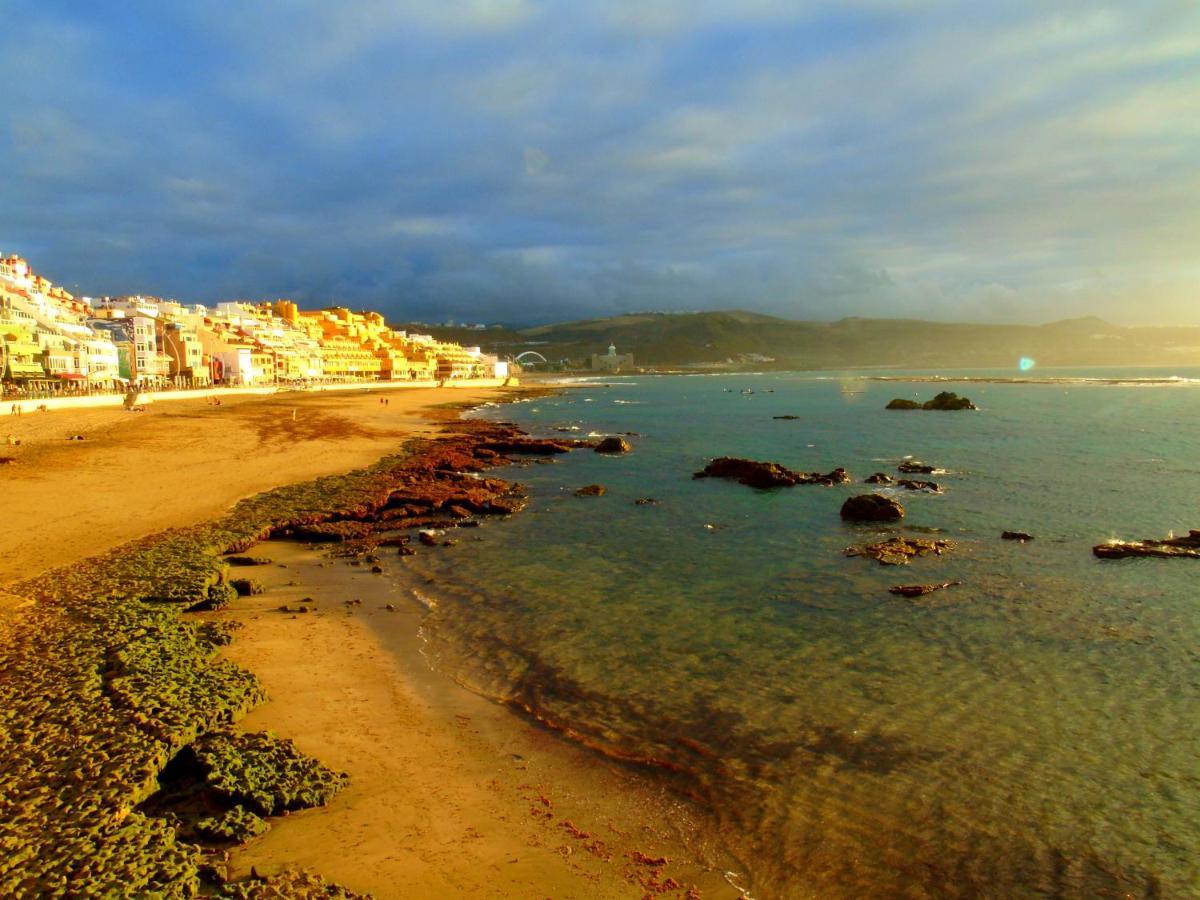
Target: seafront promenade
<point>16,405</point>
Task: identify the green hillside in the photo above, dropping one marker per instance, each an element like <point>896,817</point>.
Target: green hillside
<point>738,338</point>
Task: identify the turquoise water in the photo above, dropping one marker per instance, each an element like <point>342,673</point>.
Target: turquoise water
<point>1032,732</point>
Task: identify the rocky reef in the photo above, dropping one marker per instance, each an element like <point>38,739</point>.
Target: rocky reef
<point>107,683</point>
<point>897,551</point>
<point>946,400</point>
<point>1171,547</point>
<point>757,474</point>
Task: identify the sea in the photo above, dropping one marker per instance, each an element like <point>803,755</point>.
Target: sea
<point>1033,731</point>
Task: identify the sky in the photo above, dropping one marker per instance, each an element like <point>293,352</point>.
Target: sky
<point>524,162</point>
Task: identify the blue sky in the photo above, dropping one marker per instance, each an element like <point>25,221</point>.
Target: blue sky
<point>524,161</point>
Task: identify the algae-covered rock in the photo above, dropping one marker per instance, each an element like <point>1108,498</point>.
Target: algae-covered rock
<point>249,560</point>
<point>245,587</point>
<point>236,826</point>
<point>299,885</point>
<point>263,773</point>
<point>218,596</point>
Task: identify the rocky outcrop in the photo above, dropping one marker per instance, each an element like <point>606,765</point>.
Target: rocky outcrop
<point>946,400</point>
<point>872,508</point>
<point>1016,536</point>
<point>879,478</point>
<point>916,467</point>
<point>614,445</point>
<point>767,474</point>
<point>750,472</point>
<point>1168,548</point>
<point>591,490</point>
<point>897,551</point>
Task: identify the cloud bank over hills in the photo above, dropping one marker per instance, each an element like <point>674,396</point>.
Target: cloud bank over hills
<point>525,161</point>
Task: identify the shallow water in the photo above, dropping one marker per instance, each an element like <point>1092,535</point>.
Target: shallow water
<point>1034,731</point>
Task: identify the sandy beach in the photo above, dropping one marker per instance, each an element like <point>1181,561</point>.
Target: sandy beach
<point>182,462</point>
<point>451,795</point>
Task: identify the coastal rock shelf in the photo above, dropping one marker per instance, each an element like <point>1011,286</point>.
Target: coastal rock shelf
<point>897,551</point>
<point>757,474</point>
<point>1171,547</point>
<point>106,682</point>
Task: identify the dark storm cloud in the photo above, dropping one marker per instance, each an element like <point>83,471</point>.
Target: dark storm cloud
<point>520,160</point>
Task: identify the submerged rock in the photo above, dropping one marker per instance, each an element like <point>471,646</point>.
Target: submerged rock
<point>1016,536</point>
<point>920,590</point>
<point>910,484</point>
<point>872,508</point>
<point>591,490</point>
<point>614,445</point>
<point>915,467</point>
<point>786,418</point>
<point>897,551</point>
<point>646,501</point>
<point>1170,547</point>
<point>879,478</point>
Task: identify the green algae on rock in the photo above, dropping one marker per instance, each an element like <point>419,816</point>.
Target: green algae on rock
<point>263,773</point>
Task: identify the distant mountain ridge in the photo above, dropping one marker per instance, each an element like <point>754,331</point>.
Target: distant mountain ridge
<point>741,338</point>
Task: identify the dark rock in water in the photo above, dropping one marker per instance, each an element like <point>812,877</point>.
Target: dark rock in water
<point>591,490</point>
<point>405,551</point>
<point>946,400</point>
<point>247,586</point>
<point>897,551</point>
<point>750,472</point>
<point>1016,536</point>
<point>377,570</point>
<point>920,590</point>
<point>915,467</point>
<point>390,607</point>
<point>787,418</point>
<point>429,538</point>
<point>1167,548</point>
<point>872,508</point>
<point>910,484</point>
<point>767,474</point>
<point>614,445</point>
<point>837,476</point>
<point>646,501</point>
<point>879,478</point>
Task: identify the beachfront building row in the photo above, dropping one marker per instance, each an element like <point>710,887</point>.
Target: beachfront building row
<point>51,340</point>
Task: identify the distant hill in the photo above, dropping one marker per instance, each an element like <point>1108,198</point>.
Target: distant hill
<point>739,338</point>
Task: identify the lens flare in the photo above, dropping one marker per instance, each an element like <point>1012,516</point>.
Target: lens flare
<point>1026,364</point>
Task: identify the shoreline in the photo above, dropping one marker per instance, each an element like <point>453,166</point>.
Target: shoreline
<point>67,618</point>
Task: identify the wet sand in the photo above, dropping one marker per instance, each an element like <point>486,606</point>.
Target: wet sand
<point>451,795</point>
